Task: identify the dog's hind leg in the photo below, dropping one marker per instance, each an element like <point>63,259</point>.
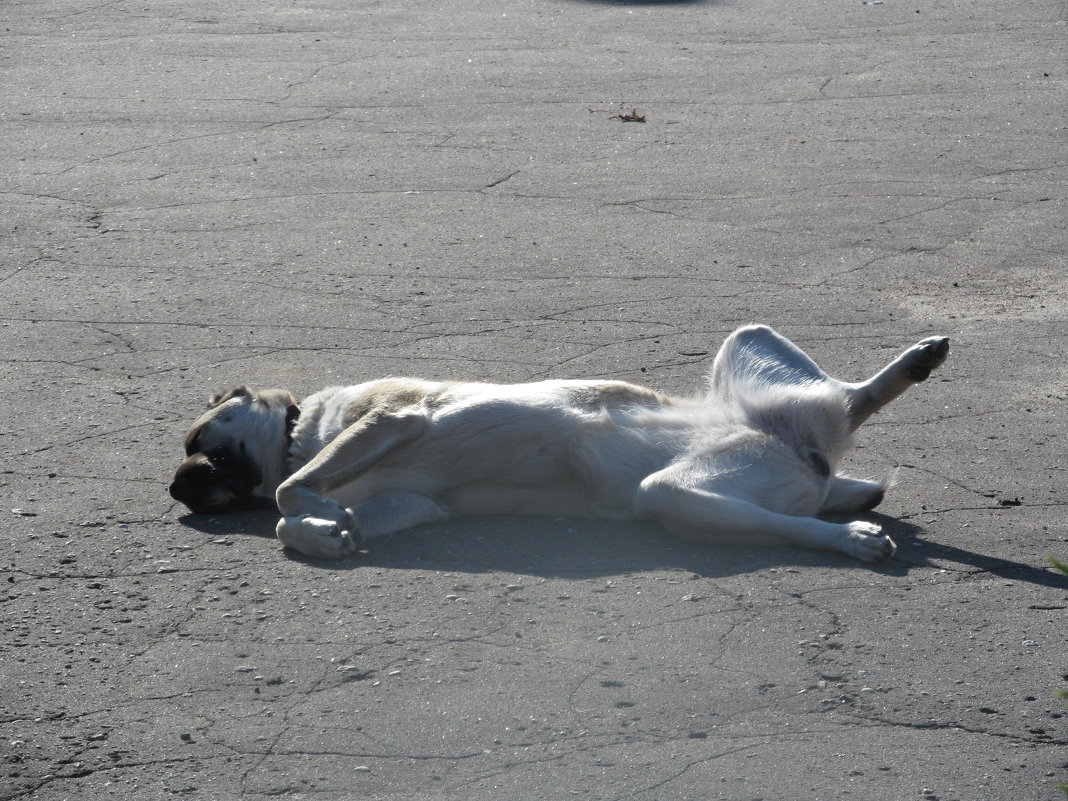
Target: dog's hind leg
<point>848,495</point>
<point>758,355</point>
<point>911,367</point>
<point>318,526</point>
<point>711,517</point>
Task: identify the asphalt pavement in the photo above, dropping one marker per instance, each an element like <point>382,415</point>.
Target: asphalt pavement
<point>299,193</point>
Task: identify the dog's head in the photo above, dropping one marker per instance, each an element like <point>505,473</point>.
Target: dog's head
<point>235,451</point>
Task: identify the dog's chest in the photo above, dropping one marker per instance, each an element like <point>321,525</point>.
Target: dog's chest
<point>322,419</point>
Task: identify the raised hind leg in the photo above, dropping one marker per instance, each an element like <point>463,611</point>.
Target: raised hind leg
<point>911,367</point>
<point>756,355</point>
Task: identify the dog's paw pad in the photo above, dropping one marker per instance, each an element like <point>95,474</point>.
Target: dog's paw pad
<point>868,543</point>
<point>926,356</point>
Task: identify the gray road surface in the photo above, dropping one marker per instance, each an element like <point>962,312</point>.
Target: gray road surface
<point>304,192</point>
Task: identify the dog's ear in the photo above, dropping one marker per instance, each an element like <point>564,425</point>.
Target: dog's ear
<point>222,397</point>
<point>192,440</point>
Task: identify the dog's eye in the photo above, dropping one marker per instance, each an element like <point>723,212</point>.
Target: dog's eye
<point>241,447</point>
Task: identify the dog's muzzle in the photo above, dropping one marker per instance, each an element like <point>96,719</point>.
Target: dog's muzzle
<point>216,482</point>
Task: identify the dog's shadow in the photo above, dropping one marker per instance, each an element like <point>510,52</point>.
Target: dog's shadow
<point>587,548</point>
<point>917,553</point>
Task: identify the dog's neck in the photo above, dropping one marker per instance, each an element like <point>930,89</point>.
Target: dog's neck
<point>274,458</point>
<point>292,415</point>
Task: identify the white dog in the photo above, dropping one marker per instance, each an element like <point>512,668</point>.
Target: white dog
<point>752,460</point>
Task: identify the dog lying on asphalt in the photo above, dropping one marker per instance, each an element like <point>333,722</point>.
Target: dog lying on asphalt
<point>753,460</point>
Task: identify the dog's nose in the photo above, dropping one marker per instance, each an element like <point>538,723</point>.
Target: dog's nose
<point>214,484</point>
<point>187,492</point>
<point>180,491</point>
<point>193,474</point>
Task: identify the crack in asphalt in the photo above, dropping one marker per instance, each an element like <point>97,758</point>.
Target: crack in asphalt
<point>871,716</point>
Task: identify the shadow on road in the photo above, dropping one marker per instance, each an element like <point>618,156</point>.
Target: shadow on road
<point>582,548</point>
<point>653,3</point>
<point>933,554</point>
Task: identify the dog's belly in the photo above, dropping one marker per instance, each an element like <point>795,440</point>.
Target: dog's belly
<point>565,498</point>
<point>498,441</point>
<point>522,449</point>
<point>480,463</point>
<point>759,468</point>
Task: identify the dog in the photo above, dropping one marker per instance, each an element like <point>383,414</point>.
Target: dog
<point>752,460</point>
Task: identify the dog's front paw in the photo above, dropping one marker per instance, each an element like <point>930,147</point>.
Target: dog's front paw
<point>314,536</point>
<point>867,542</point>
<point>925,356</point>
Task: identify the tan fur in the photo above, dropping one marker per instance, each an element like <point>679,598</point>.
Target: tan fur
<point>752,460</point>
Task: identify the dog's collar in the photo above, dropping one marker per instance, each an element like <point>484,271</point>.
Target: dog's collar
<point>292,415</point>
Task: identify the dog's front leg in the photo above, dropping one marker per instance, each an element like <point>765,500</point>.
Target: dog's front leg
<point>313,523</point>
<point>327,538</point>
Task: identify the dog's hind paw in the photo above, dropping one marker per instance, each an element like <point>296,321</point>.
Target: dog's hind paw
<point>867,542</point>
<point>315,536</point>
<point>925,356</point>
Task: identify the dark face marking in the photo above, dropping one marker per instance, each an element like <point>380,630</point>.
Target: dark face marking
<point>219,472</point>
<point>219,481</point>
